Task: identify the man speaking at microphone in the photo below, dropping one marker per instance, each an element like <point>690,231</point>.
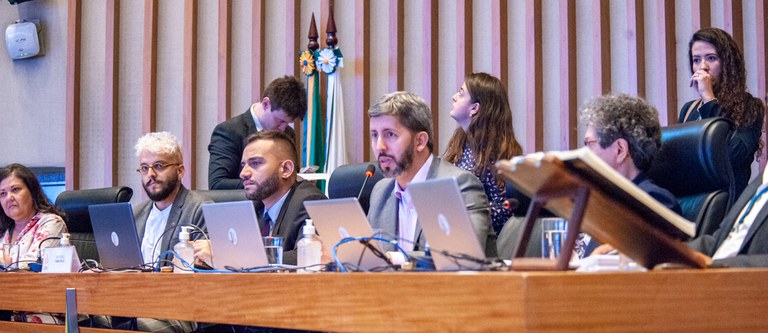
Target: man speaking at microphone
<point>401,139</point>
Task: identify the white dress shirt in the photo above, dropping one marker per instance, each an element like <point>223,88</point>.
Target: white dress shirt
<point>153,233</point>
<point>406,213</point>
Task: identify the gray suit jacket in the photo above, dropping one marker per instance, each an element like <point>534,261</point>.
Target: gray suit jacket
<point>186,210</point>
<point>754,250</point>
<point>383,211</point>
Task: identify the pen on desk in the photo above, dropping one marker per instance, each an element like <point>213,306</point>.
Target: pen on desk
<point>614,251</point>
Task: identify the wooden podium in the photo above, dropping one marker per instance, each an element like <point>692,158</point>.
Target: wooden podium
<point>578,186</point>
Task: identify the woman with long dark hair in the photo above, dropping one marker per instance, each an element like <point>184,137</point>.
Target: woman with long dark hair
<point>27,217</point>
<point>483,136</point>
<point>719,78</point>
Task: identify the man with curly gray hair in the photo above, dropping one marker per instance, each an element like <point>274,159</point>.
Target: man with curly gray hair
<point>624,132</point>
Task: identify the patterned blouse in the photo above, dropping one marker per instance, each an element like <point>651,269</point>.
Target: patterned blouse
<point>495,193</point>
<point>40,227</point>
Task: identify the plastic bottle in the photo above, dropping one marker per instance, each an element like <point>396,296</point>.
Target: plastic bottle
<point>309,249</point>
<point>184,250</point>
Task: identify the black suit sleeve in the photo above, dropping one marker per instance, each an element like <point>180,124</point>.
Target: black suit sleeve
<point>290,257</point>
<point>224,163</point>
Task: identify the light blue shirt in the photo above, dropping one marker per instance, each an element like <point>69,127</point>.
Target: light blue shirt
<point>274,211</point>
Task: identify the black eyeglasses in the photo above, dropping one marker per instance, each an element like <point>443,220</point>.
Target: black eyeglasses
<point>156,167</point>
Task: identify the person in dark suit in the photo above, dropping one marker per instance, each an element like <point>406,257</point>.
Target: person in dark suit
<point>284,101</point>
<point>742,239</point>
<point>269,175</point>
<point>625,133</point>
<point>401,138</point>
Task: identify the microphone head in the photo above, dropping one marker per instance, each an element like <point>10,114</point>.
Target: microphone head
<point>369,170</point>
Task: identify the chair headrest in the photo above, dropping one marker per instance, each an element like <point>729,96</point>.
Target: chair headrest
<point>223,195</point>
<point>693,157</point>
<point>346,181</point>
<point>75,204</point>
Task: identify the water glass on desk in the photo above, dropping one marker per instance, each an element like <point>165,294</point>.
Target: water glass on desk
<point>274,247</point>
<point>554,231</point>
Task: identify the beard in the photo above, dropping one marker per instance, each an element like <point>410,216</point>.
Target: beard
<point>265,189</point>
<point>401,164</point>
<point>166,188</point>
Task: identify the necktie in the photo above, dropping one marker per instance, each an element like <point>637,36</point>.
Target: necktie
<point>581,245</point>
<point>749,208</point>
<point>265,224</point>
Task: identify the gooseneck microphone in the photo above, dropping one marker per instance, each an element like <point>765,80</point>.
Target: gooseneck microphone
<point>368,174</point>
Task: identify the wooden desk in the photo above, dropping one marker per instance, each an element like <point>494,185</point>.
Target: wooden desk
<point>693,301</point>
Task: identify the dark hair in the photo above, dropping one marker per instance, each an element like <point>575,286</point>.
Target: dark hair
<point>409,109</point>
<point>731,87</point>
<point>285,142</point>
<point>288,94</point>
<point>40,202</point>
<point>625,117</point>
<point>490,133</point>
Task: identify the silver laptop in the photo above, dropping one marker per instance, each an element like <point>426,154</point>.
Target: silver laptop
<point>235,235</point>
<point>444,219</point>
<point>336,219</point>
<point>116,237</point>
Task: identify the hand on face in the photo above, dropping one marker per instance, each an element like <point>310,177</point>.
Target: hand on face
<point>704,84</point>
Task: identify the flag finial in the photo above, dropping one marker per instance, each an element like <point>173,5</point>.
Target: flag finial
<point>330,29</point>
<point>312,35</point>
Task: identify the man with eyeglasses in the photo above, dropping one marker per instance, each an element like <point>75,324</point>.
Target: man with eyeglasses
<point>284,101</point>
<point>158,220</point>
<point>170,204</point>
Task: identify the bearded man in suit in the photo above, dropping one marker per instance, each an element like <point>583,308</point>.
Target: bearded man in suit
<point>401,139</point>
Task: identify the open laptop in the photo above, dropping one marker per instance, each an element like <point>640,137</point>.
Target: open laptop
<point>445,221</point>
<point>336,219</point>
<point>116,237</point>
<point>235,236</point>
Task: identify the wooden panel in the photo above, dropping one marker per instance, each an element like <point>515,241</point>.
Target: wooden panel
<point>734,21</point>
<point>189,102</point>
<point>638,7</point>
<point>224,86</point>
<point>604,11</point>
<point>257,49</point>
<point>468,40</point>
<point>395,33</point>
<point>701,14</point>
<point>149,80</point>
<point>671,62</point>
<point>292,17</point>
<point>14,327</point>
<point>503,31</point>
<point>534,121</point>
<point>432,64</point>
<point>728,299</point>
<point>72,139</point>
<point>568,85</point>
<point>111,81</point>
<point>363,70</point>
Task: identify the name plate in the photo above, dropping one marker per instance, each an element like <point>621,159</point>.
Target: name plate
<point>61,260</point>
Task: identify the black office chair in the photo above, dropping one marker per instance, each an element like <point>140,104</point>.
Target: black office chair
<point>75,205</point>
<point>693,164</point>
<point>346,181</point>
